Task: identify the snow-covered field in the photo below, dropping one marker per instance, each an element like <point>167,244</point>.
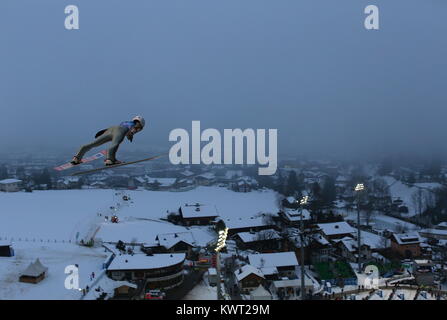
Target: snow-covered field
<point>46,224</point>
<point>407,194</point>
<point>60,215</point>
<point>56,257</point>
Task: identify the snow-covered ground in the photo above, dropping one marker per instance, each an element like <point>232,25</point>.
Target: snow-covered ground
<point>202,291</point>
<point>62,215</point>
<point>56,257</point>
<point>406,193</point>
<point>46,225</point>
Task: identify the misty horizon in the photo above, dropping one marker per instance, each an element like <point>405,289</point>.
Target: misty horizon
<point>310,70</point>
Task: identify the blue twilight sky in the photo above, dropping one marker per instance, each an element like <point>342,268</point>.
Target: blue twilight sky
<point>308,68</point>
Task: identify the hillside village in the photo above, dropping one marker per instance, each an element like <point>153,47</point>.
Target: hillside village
<point>150,231</point>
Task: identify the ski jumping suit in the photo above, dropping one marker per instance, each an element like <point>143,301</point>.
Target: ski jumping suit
<point>115,134</point>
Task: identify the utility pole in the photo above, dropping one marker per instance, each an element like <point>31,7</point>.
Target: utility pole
<point>303,201</point>
<point>358,188</point>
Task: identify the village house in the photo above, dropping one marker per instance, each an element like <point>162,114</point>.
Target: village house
<point>205,179</point>
<point>68,183</point>
<point>197,214</point>
<point>275,265</point>
<point>124,289</point>
<point>6,249</point>
<point>292,217</point>
<point>262,241</point>
<point>179,242</point>
<point>336,230</point>
<point>10,185</point>
<point>407,245</point>
<point>248,278</point>
<point>348,249</point>
<point>317,248</point>
<point>290,289</point>
<point>159,271</point>
<point>244,184</point>
<point>160,184</point>
<point>439,234</point>
<point>237,225</point>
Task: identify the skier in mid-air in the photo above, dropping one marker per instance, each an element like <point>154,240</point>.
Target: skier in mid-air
<point>116,134</point>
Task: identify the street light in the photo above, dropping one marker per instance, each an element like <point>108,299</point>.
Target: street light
<point>358,188</point>
<point>303,201</point>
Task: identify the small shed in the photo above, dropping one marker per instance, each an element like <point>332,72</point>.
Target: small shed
<point>35,273</point>
<point>6,249</point>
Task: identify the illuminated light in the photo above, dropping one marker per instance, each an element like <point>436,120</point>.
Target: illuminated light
<point>221,241</point>
<point>359,187</point>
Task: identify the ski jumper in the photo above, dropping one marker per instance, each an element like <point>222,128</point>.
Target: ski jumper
<point>116,134</point>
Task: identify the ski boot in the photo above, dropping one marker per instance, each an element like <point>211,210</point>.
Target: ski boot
<point>75,161</point>
<point>110,162</point>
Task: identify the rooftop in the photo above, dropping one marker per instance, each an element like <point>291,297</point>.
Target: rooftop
<point>8,181</point>
<point>278,259</point>
<point>144,262</point>
<point>336,228</point>
<point>198,210</point>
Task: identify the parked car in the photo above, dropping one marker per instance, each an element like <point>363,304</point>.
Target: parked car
<point>154,295</point>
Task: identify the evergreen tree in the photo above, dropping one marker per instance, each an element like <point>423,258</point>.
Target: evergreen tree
<point>293,185</point>
<point>3,172</point>
<point>328,192</point>
<point>45,178</point>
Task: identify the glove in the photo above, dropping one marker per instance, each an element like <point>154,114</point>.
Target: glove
<point>129,137</point>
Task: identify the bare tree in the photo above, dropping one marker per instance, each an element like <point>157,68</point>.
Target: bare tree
<point>417,198</point>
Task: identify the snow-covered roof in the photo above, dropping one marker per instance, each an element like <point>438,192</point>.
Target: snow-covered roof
<point>207,176</point>
<point>246,270</point>
<point>267,271</point>
<point>231,173</point>
<point>212,271</point>
<point>407,238</point>
<point>164,182</point>
<point>187,173</point>
<point>442,225</point>
<point>291,200</point>
<point>8,181</point>
<point>295,214</point>
<point>336,228</point>
<point>5,243</point>
<point>292,283</point>
<point>277,259</point>
<point>260,292</point>
<point>168,240</point>
<point>198,210</point>
<point>238,223</point>
<point>144,262</point>
<point>440,232</point>
<point>35,269</point>
<point>258,236</point>
<point>320,239</point>
<point>350,244</point>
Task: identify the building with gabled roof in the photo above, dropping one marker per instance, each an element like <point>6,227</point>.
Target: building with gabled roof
<point>407,245</point>
<point>198,214</point>
<point>248,278</point>
<point>34,273</point>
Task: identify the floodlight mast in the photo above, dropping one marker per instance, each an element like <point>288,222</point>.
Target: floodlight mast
<point>358,189</point>
<point>222,237</point>
<point>303,201</point>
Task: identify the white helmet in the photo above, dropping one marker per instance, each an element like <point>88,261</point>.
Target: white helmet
<point>140,119</point>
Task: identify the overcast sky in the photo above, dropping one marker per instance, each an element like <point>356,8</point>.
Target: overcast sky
<point>308,68</point>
